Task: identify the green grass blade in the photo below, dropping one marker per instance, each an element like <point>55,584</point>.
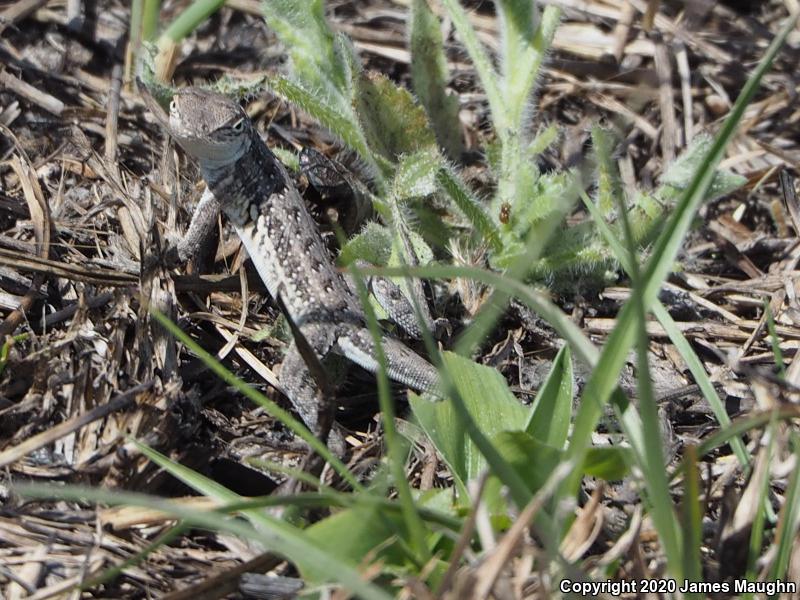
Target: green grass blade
<point>789,521</point>
<point>583,348</point>
<point>112,573</point>
<point>604,378</point>
<point>657,483</point>
<point>150,13</point>
<point>396,453</point>
<point>652,461</point>
<point>268,405</point>
<point>535,243</point>
<point>551,410</point>
<point>260,518</point>
<point>196,481</point>
<point>698,371</point>
<point>286,541</point>
<point>675,335</point>
<point>757,529</point>
<point>745,424</point>
<point>295,473</point>
<point>775,341</point>
<point>191,17</point>
<point>691,517</point>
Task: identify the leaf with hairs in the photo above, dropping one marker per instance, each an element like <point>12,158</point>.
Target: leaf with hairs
<point>609,186</point>
<point>373,244</point>
<point>429,76</point>
<point>525,39</point>
<point>329,115</point>
<point>680,172</point>
<point>392,122</point>
<point>416,174</point>
<point>301,26</point>
<point>468,204</point>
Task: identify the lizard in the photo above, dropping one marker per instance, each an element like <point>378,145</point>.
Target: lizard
<point>254,191</point>
<point>330,179</point>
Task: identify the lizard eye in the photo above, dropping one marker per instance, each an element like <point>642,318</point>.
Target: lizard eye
<point>239,125</point>
<point>173,106</point>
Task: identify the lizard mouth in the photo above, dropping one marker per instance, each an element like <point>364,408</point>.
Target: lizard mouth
<point>203,146</point>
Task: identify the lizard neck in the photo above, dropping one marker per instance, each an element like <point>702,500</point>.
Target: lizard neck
<point>242,182</point>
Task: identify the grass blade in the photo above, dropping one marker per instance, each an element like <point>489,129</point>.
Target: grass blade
<point>652,461</point>
<point>604,378</point>
<point>675,335</point>
<point>551,411</point>
<point>268,405</point>
<point>191,17</point>
<point>789,521</point>
<point>396,453</point>
<point>285,540</point>
<point>583,348</point>
<point>691,517</point>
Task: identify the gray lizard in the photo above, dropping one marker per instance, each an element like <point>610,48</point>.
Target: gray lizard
<point>256,194</point>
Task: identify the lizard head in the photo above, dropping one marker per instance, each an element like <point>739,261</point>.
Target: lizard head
<point>209,126</point>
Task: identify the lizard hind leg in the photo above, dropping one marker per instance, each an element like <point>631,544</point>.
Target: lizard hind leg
<point>398,306</point>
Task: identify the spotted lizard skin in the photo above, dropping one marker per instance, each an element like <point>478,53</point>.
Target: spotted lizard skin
<point>256,194</point>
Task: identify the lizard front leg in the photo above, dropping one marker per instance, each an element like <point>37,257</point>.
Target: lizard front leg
<point>204,218</point>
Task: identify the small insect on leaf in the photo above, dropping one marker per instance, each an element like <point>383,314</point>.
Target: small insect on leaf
<point>505,213</point>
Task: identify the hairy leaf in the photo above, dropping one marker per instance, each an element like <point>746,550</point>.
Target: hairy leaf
<point>301,26</point>
<point>543,140</point>
<point>416,174</point>
<point>373,244</point>
<point>608,183</point>
<point>472,209</point>
<point>680,173</point>
<point>329,115</point>
<point>392,122</point>
<point>429,76</point>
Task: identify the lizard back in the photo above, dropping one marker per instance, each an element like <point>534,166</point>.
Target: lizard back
<point>259,198</point>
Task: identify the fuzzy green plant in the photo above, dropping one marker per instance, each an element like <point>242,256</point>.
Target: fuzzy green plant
<point>382,122</point>
<point>535,456</point>
<point>411,144</point>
